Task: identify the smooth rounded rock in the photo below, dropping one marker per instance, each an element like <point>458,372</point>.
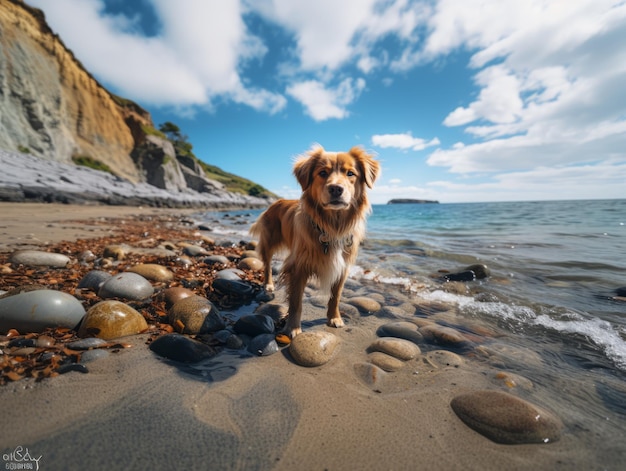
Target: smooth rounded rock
<point>237,288</point>
<point>230,274</point>
<point>216,260</point>
<point>111,319</point>
<point>444,358</point>
<point>505,418</point>
<point>126,285</point>
<point>195,315</point>
<point>481,271</point>
<point>172,295</point>
<point>194,251</point>
<point>152,271</point>
<point>93,355</point>
<point>364,304</point>
<point>254,324</point>
<point>35,258</point>
<point>116,252</point>
<point>250,263</point>
<point>181,348</point>
<point>263,345</point>
<point>385,362</point>
<point>86,344</point>
<point>442,335</point>
<point>94,279</point>
<point>34,311</point>
<point>401,330</point>
<point>399,348</point>
<point>313,348</point>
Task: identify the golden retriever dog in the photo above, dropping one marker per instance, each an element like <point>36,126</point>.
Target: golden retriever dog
<point>322,230</point>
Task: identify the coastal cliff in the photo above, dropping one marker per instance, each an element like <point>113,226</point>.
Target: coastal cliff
<point>53,109</point>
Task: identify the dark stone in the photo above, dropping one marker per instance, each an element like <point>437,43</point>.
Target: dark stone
<point>180,348</point>
<point>621,291</point>
<point>94,279</point>
<point>263,345</point>
<point>467,275</point>
<point>481,271</point>
<point>254,324</point>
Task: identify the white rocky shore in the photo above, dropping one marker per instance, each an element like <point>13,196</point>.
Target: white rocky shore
<point>25,177</point>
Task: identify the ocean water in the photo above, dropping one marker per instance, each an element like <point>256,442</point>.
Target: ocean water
<point>555,269</point>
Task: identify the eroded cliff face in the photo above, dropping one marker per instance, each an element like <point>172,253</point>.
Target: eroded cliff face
<point>50,105</point>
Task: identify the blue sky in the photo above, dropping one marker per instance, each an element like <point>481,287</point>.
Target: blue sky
<point>461,100</point>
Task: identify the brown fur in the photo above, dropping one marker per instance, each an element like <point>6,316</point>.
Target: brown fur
<point>332,209</point>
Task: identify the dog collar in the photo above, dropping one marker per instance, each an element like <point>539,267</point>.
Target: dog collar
<point>326,241</point>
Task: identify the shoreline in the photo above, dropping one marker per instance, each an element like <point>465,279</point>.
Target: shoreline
<point>136,409</point>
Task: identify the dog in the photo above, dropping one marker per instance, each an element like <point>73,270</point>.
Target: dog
<point>322,230</point>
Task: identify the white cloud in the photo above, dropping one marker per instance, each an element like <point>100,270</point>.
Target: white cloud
<point>403,141</point>
<point>323,103</point>
<point>194,58</point>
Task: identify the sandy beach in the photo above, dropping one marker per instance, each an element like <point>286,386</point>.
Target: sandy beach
<point>135,410</point>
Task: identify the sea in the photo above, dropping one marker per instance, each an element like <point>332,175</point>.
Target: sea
<point>556,271</point>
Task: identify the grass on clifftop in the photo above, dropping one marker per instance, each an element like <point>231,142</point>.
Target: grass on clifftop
<point>87,161</point>
<point>235,183</point>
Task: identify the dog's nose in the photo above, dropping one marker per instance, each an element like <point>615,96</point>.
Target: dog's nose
<point>335,190</point>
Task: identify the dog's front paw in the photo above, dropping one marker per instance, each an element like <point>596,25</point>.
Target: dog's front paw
<point>292,331</point>
<point>335,322</point>
<point>269,288</point>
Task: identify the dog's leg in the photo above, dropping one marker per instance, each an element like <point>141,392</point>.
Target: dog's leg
<point>266,253</point>
<point>333,315</point>
<point>295,286</point>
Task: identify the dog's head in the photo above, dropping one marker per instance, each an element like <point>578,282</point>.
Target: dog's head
<point>336,180</point>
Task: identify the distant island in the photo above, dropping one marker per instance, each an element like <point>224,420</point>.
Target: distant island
<point>411,201</point>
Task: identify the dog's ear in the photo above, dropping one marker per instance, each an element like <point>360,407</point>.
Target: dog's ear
<point>369,166</point>
<point>304,166</point>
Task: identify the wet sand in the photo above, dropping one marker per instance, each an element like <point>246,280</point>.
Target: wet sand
<point>136,410</point>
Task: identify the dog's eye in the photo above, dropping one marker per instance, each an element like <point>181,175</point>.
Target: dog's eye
<point>323,173</point>
<point>351,173</point>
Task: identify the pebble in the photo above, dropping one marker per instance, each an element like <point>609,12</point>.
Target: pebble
<point>467,275</point>
<point>444,358</point>
<point>126,285</point>
<point>94,279</point>
<point>402,330</point>
<point>194,251</point>
<point>364,304</point>
<point>175,294</point>
<point>385,362</point>
<point>481,271</point>
<point>181,348</point>
<point>216,260</point>
<point>195,315</point>
<point>399,348</point>
<point>250,253</point>
<point>236,288</point>
<point>39,258</point>
<point>86,344</point>
<point>512,380</point>
<point>254,324</point>
<point>278,312</point>
<point>111,319</point>
<point>442,335</point>
<point>505,418</point>
<point>34,311</point>
<point>263,345</point>
<point>313,348</point>
<point>370,374</point>
<point>230,274</point>
<point>152,271</point>
<point>250,263</point>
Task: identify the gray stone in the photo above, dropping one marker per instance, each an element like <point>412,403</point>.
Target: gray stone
<point>255,324</point>
<point>402,330</point>
<point>39,258</point>
<point>33,311</point>
<point>263,345</point>
<point>216,259</point>
<point>94,279</point>
<point>233,274</point>
<point>126,285</point>
<point>504,418</point>
<point>86,344</point>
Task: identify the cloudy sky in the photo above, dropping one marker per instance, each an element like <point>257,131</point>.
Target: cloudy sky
<point>461,100</point>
